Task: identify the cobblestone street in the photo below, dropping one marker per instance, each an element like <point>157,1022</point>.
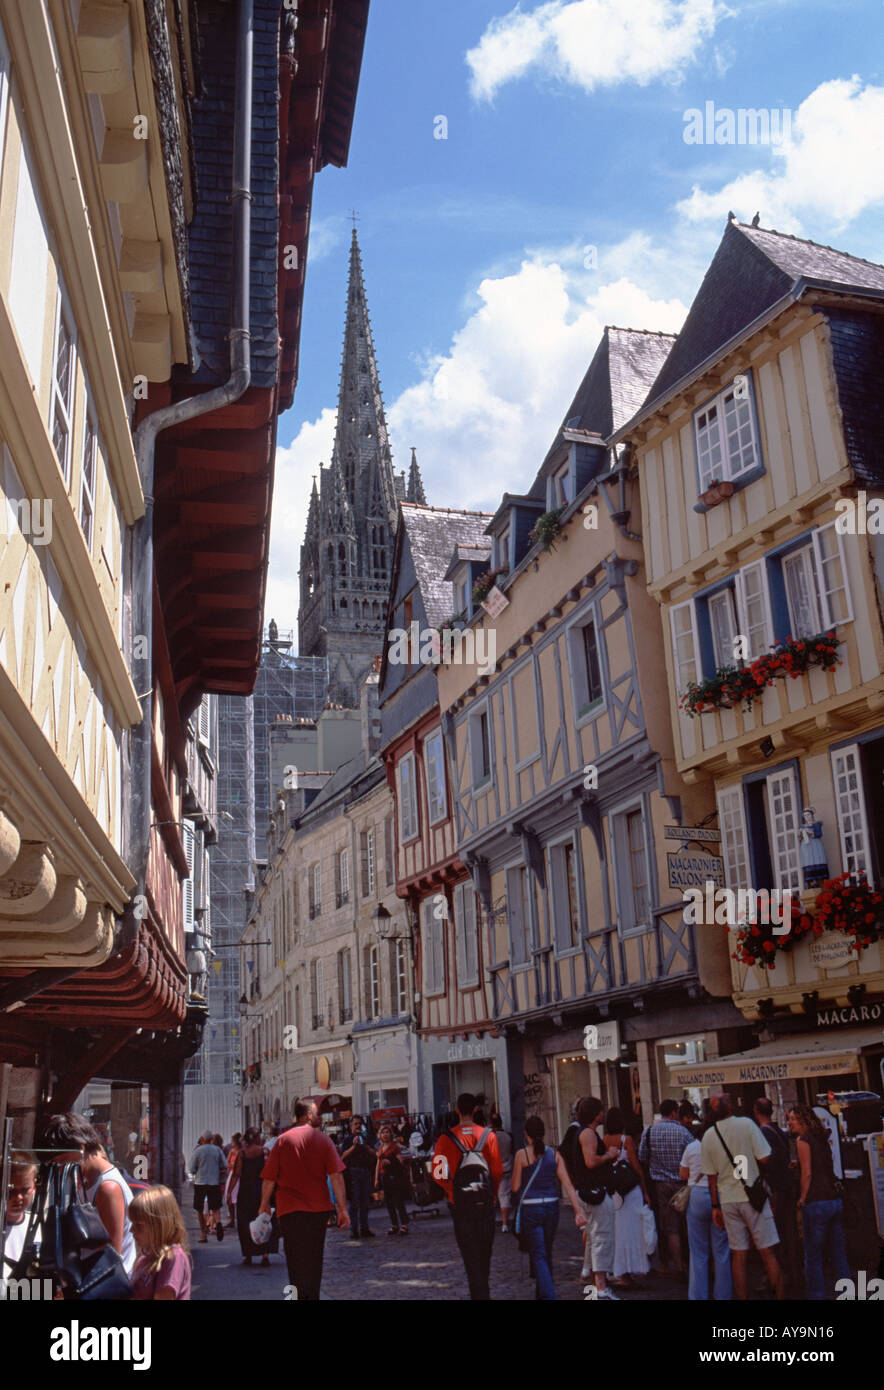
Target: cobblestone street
<point>424,1266</point>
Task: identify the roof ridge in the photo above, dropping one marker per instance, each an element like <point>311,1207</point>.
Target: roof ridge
<point>449,511</point>
<point>807,241</point>
<point>645,332</point>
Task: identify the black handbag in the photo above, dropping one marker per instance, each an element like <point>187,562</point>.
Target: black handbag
<point>76,1250</point>
<point>756,1192</point>
<point>623,1176</point>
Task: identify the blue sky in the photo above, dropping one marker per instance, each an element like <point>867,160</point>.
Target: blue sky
<point>565,125</point>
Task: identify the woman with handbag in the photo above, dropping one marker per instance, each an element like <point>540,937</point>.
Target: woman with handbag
<point>77,1141</point>
<point>247,1170</point>
<point>537,1171</point>
<point>630,1194</point>
<point>162,1270</point>
<point>704,1237</point>
<point>820,1203</point>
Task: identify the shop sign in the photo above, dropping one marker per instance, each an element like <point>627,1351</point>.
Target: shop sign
<point>691,832</point>
<point>724,1072</point>
<point>688,870</point>
<point>602,1041</point>
<point>870,1012</point>
<point>831,950</point>
<point>495,601</point>
<point>467,1052</point>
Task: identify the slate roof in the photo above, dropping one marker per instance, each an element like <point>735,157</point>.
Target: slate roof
<point>623,367</point>
<point>461,553</point>
<point>364,767</point>
<point>750,271</point>
<point>432,533</point>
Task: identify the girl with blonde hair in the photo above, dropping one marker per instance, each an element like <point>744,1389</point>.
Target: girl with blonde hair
<point>162,1270</point>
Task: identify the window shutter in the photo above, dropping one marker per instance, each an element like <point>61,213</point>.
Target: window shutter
<point>734,844</point>
<point>685,645</point>
<point>187,886</point>
<point>389,851</point>
<point>828,546</point>
<point>850,801</point>
<point>204,723</point>
<point>459,933</point>
<point>363,862</point>
<point>471,939</point>
<point>514,914</point>
<point>783,823</point>
<point>753,608</point>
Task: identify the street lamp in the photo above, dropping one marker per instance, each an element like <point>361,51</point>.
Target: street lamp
<point>385,926</point>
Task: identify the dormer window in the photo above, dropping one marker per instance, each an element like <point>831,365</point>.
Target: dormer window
<point>560,488</point>
<point>726,435</point>
<point>501,555</point>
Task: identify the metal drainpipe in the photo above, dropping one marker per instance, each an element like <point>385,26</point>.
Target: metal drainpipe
<point>142,532</point>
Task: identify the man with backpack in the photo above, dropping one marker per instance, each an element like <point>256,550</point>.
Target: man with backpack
<point>468,1168</point>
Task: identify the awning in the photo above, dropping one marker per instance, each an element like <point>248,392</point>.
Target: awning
<point>803,1054</point>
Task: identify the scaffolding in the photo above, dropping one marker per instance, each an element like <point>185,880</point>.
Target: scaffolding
<point>287,687</point>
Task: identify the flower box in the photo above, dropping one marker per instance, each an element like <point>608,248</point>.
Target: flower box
<point>717,492</point>
<point>743,685</point>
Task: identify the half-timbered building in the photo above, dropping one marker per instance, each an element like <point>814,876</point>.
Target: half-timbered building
<point>563,782</point>
<point>155,190</point>
<point>758,452</point>
<point>462,1048</point>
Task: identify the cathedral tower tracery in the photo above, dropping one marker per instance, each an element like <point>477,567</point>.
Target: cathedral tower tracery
<point>347,552</point>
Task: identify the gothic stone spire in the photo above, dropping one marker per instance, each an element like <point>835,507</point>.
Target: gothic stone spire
<point>415,482</point>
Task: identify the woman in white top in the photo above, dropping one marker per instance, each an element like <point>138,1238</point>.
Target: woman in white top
<point>76,1141</point>
<point>630,1251</point>
<point>704,1237</point>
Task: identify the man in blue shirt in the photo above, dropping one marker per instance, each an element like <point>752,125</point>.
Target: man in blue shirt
<point>208,1167</point>
<point>661,1147</point>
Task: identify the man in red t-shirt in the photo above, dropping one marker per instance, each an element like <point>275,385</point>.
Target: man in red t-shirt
<point>300,1162</point>
<point>474,1232</point>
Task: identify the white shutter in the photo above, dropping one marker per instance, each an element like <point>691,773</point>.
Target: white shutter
<point>783,824</point>
<point>734,843</point>
<point>204,723</point>
<point>407,802</point>
<point>685,646</point>
<point>828,548</point>
<point>850,801</point>
<point>753,608</point>
<point>187,887</point>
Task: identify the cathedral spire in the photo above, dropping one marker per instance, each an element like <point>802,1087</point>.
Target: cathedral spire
<point>362,444</point>
<point>415,491</point>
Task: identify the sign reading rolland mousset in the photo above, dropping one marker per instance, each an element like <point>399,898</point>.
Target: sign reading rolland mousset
<point>731,1069</point>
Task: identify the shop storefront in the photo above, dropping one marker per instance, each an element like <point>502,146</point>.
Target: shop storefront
<point>477,1065</point>
<point>385,1070</point>
<point>793,1067</point>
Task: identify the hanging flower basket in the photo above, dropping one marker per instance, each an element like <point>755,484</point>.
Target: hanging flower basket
<point>757,944</point>
<point>848,904</point>
<point>717,492</point>
<point>735,685</point>
<point>547,529</point>
<point>485,583</point>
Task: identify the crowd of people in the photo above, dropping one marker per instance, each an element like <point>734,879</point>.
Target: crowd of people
<point>690,1199</point>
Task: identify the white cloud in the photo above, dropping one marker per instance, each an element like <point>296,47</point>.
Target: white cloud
<point>295,467</point>
<point>593,43</point>
<point>830,172</point>
<point>484,413</point>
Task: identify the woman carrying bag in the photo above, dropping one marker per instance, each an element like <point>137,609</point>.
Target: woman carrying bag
<point>630,1196</point>
<point>537,1172</point>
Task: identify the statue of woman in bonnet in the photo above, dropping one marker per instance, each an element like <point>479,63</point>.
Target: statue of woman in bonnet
<point>811,849</point>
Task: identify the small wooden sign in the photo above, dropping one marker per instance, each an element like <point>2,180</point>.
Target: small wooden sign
<point>691,832</point>
<point>495,601</point>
